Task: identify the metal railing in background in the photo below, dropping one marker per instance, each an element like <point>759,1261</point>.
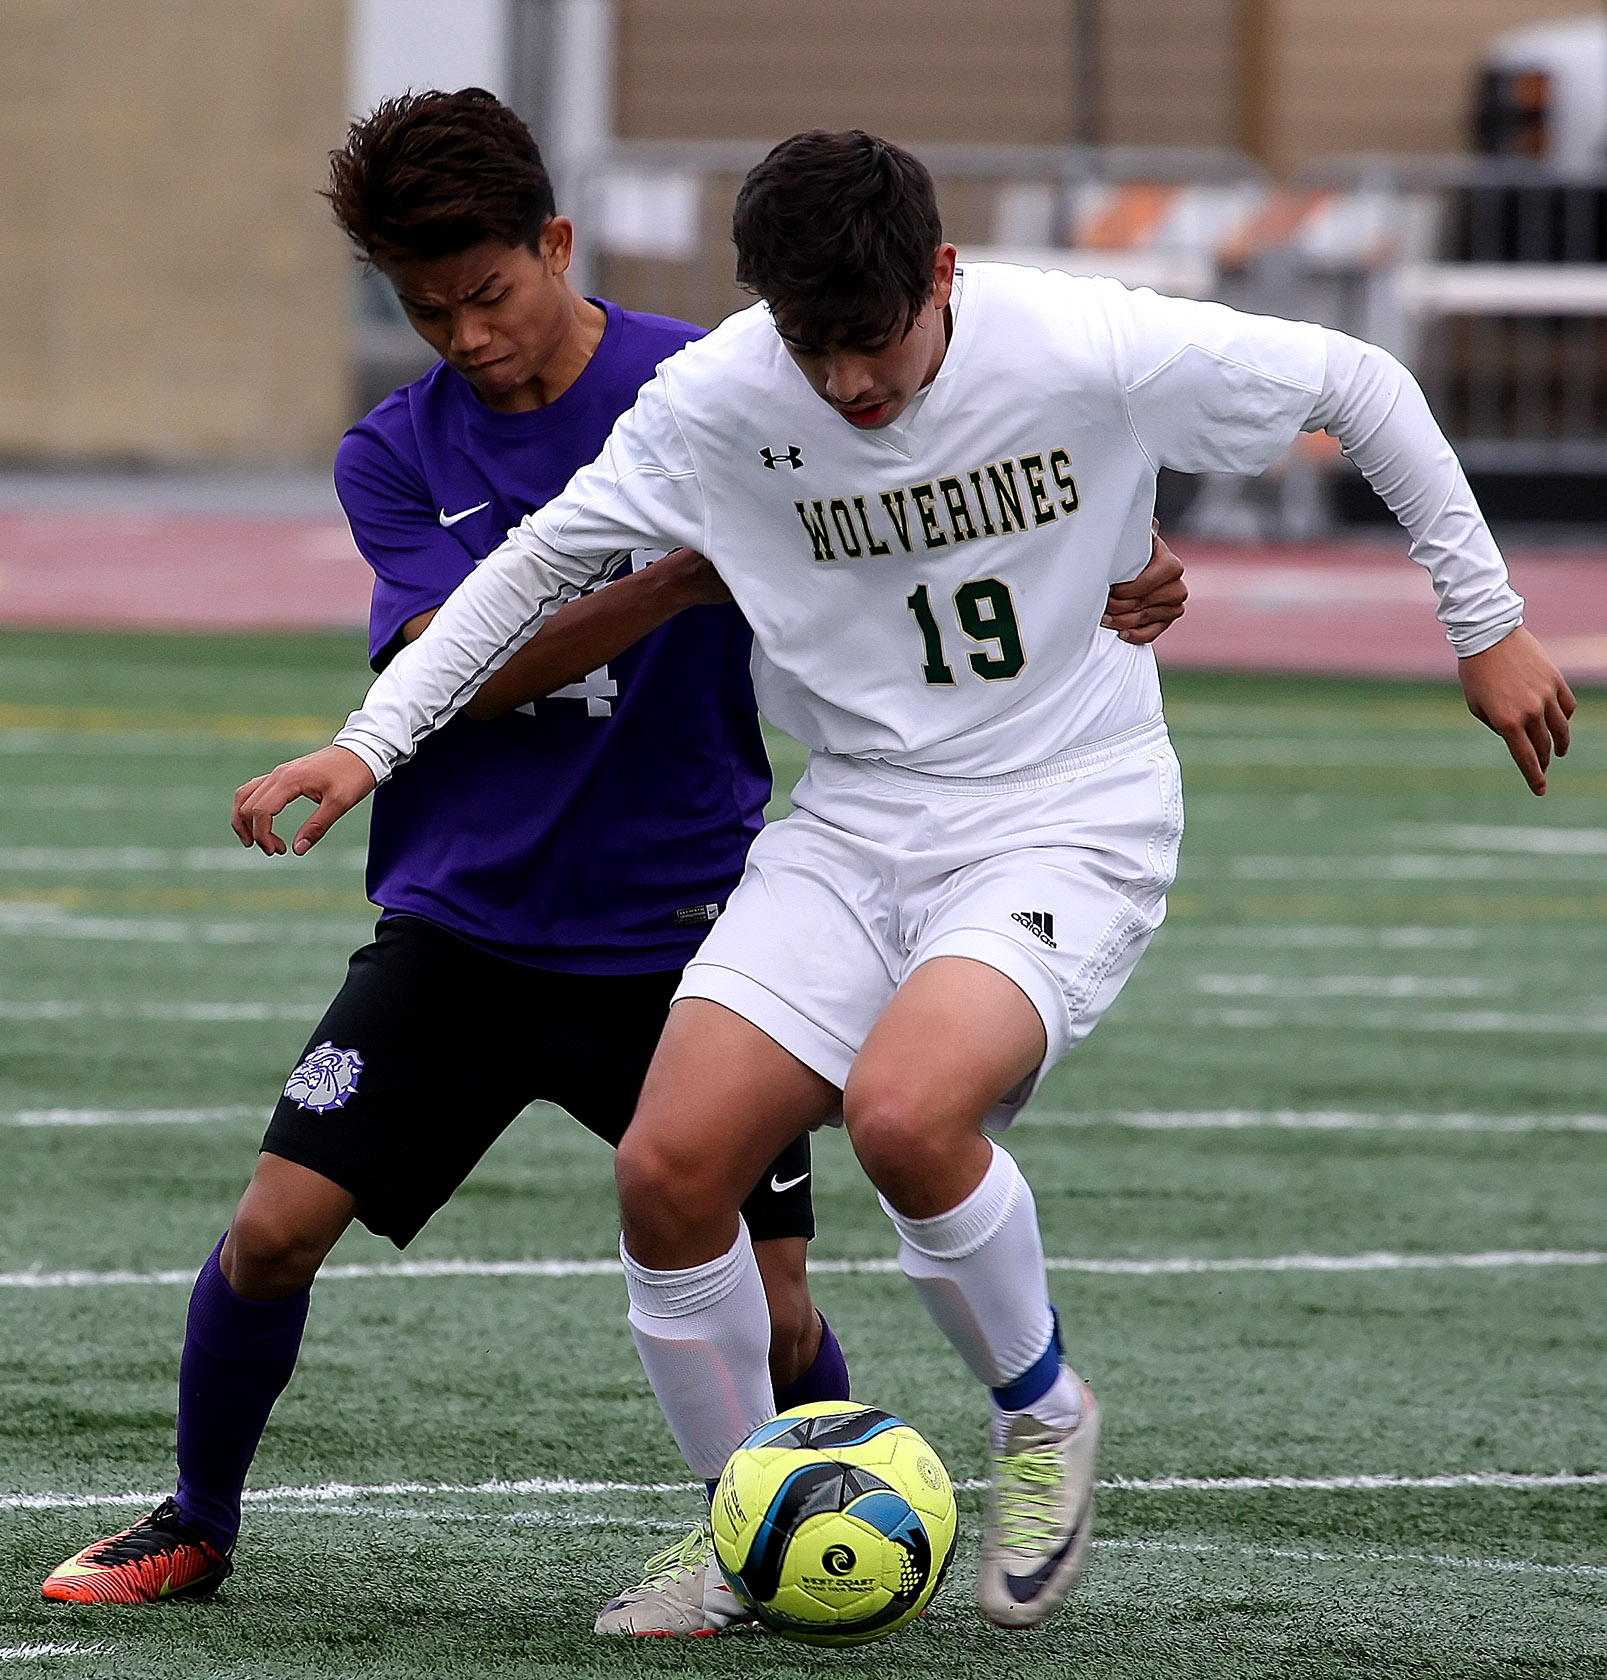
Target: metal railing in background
<point>1503,317</point>
<point>1487,276</point>
<point>655,216</point>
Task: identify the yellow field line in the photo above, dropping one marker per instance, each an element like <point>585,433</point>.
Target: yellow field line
<point>189,898</point>
<point>1352,907</point>
<point>210,726</point>
<point>1565,782</point>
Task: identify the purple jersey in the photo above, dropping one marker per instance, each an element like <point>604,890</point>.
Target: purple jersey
<point>597,831</point>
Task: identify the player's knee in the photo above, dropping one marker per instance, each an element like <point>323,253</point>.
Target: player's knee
<point>661,1189</point>
<point>268,1252</point>
<point>891,1134</point>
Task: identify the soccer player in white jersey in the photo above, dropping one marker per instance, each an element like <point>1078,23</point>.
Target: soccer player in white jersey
<point>919,483</point>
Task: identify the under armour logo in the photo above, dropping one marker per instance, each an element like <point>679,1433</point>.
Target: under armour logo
<point>1039,923</point>
<point>792,455</point>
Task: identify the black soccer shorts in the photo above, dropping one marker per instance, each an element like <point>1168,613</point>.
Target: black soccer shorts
<point>432,1048</point>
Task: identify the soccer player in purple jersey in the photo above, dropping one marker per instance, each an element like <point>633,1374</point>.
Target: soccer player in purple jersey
<point>545,870</point>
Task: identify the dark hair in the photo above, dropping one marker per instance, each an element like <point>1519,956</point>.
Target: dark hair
<point>837,230</point>
<point>430,174</point>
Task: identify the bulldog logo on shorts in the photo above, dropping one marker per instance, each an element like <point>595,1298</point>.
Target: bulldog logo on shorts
<point>324,1078</point>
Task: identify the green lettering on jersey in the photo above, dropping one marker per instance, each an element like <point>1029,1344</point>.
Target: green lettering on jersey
<point>893,501</point>
<point>988,614</point>
<point>953,492</point>
<point>1060,470</point>
<point>870,536</point>
<point>982,503</point>
<point>1008,497</point>
<point>934,667</point>
<point>846,534</point>
<point>1043,511</point>
<point>819,536</point>
<point>924,499</point>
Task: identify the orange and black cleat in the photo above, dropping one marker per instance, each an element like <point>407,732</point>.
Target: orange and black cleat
<point>160,1557</point>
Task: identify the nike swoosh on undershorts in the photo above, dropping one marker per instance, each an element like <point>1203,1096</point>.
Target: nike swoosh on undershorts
<point>450,519</point>
<point>777,1185</point>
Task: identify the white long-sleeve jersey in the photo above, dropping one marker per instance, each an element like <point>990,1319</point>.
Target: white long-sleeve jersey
<point>929,593</point>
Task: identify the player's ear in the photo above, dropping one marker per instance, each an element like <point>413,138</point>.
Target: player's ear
<point>943,275</point>
<point>556,244</point>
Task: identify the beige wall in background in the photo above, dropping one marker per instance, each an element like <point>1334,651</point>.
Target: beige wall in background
<point>912,69</point>
<point>1383,75</point>
<point>1289,79</point>
<point>172,289</point>
<point>1169,69</point>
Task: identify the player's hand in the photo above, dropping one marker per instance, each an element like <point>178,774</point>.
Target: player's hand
<point>694,579</point>
<point>333,778</point>
<point>1141,610</point>
<point>1514,689</point>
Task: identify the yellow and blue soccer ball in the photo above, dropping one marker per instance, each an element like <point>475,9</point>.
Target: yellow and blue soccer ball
<point>834,1523</point>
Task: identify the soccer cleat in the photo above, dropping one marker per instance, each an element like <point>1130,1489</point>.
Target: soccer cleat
<point>681,1592</point>
<point>160,1557</point>
<point>1040,1511</point>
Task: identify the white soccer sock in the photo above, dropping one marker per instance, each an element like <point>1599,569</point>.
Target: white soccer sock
<point>979,1270</point>
<point>704,1340</point>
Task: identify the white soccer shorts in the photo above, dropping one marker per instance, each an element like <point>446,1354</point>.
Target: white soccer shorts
<point>1055,875</point>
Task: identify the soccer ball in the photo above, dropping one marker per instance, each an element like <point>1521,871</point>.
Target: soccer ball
<point>834,1523</point>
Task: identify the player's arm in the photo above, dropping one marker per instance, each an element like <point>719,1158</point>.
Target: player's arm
<point>587,633</point>
<point>1209,389</point>
<point>641,492</point>
<point>1371,403</point>
<point>1142,609</point>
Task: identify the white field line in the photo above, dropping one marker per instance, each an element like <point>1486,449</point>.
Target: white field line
<point>1350,986</point>
<point>1416,866</point>
<point>100,860</point>
<point>131,1116</point>
<point>1311,1120</point>
<point>102,796</point>
<point>1461,1021</point>
<point>40,921</point>
<point>1476,837</point>
<point>1446,753</point>
<point>32,1653</point>
<point>1441,1560</point>
<point>1179,1266</point>
<point>80,1009</point>
<point>345,1494</point>
<point>1326,935</point>
<point>1152,1120</point>
<point>1290,1554</point>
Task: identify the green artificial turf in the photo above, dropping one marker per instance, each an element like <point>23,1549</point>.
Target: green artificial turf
<point>1372,923</point>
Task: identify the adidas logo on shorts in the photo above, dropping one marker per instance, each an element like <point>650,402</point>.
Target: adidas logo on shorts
<point>1039,923</point>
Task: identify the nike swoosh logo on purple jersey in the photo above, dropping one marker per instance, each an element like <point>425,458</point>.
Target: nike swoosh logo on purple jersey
<point>450,519</point>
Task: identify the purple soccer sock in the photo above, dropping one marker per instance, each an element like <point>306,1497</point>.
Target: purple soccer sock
<point>826,1379</point>
<point>238,1357</point>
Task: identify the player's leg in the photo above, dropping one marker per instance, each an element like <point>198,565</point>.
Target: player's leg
<point>357,1132</point>
<point>720,1102</point>
<point>598,1038</point>
<point>958,1036</point>
<point>703,1330</point>
<point>242,1336</point>
<point>1017,953</point>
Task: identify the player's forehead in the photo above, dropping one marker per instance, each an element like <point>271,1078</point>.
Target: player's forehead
<point>457,277</point>
<point>814,336</point>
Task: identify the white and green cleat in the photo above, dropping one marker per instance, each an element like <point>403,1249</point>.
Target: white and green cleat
<point>681,1592</point>
<point>1039,1517</point>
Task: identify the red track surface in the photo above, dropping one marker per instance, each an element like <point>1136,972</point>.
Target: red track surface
<point>1337,607</point>
<point>179,572</point>
<point>1367,611</point>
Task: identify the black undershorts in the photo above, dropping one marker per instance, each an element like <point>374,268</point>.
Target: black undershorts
<point>433,1047</point>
